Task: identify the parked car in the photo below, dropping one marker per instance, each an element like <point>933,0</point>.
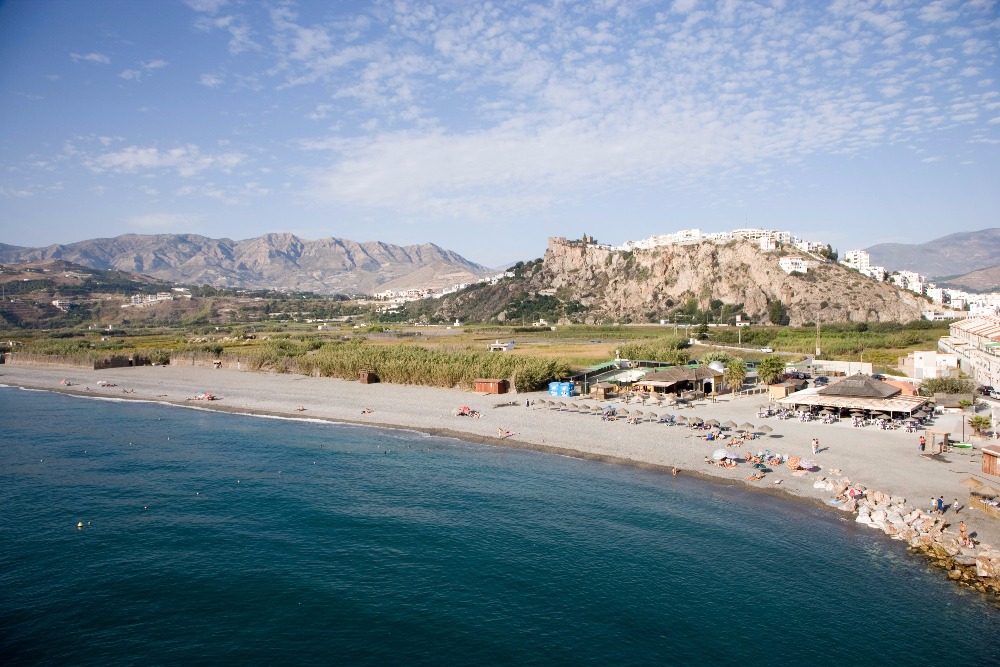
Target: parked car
<point>985,390</point>
<point>766,349</point>
<point>995,394</point>
<point>878,376</point>
<point>821,381</point>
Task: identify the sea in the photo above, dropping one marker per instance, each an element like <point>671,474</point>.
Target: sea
<point>137,533</point>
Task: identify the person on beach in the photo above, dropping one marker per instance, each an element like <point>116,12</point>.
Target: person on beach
<point>366,411</point>
<point>963,534</point>
<point>955,506</point>
<point>923,443</point>
<point>939,504</point>
<point>815,447</point>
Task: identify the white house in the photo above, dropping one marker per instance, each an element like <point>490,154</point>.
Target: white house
<point>793,264</point>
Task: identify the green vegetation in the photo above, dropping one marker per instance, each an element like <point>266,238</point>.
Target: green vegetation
<point>933,386</point>
<point>440,368</point>
<point>671,349</point>
<point>980,423</point>
<point>735,374</point>
<point>771,369</point>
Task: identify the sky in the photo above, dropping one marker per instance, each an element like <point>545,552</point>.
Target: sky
<point>486,128</point>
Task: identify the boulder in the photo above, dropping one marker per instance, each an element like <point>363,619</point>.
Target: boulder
<point>955,575</point>
<point>863,518</point>
<point>897,500</point>
<point>878,515</point>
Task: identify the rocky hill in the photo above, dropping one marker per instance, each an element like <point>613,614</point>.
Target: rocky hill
<point>273,261</point>
<point>952,255</point>
<point>588,283</point>
<point>982,280</point>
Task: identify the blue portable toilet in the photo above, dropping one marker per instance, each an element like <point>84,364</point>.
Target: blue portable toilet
<point>554,389</point>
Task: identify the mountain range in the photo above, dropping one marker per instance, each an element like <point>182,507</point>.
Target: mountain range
<point>949,256</point>
<point>273,261</point>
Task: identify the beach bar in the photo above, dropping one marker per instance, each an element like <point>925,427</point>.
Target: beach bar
<point>491,386</point>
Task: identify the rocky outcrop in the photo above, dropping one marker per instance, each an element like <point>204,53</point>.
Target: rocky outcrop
<point>974,565</point>
<point>613,284</point>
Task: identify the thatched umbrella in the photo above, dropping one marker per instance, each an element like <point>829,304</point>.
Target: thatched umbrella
<point>681,420</point>
<point>596,409</point>
<point>712,422</point>
<point>764,429</point>
<point>972,483</point>
<point>695,420</point>
<point>653,416</point>
<point>987,491</point>
<point>729,424</point>
<point>638,413</point>
<point>747,427</point>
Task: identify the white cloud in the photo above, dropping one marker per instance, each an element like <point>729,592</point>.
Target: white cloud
<point>99,58</point>
<point>185,160</point>
<point>143,69</point>
<point>211,80</point>
<point>683,6</point>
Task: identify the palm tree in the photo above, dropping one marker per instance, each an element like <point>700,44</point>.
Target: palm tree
<point>770,369</point>
<point>735,374</point>
<point>980,423</point>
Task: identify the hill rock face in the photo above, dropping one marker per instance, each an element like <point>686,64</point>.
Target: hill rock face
<point>273,261</point>
<point>952,255</point>
<point>645,285</point>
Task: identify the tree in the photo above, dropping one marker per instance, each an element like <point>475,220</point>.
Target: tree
<point>933,386</point>
<point>702,330</point>
<point>770,369</point>
<point>980,423</point>
<point>777,313</point>
<point>735,374</point>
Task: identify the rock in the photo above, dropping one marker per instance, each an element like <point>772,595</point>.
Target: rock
<point>983,567</point>
<point>850,505</point>
<point>878,515</point>
<point>912,516</point>
<point>897,500</point>
<point>819,485</point>
<point>965,561</point>
<point>863,518</point>
<point>828,486</point>
<point>894,517</point>
<point>955,575</point>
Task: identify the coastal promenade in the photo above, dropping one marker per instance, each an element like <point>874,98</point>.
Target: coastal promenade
<point>884,461</point>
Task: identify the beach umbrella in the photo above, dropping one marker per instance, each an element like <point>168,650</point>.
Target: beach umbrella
<point>746,426</point>
<point>712,422</point>
<point>735,456</point>
<point>729,424</point>
<point>764,429</point>
<point>971,482</point>
<point>624,413</point>
<point>719,454</point>
<point>652,416</point>
<point>987,491</point>
<point>596,408</point>
<point>695,420</point>
<point>681,420</point>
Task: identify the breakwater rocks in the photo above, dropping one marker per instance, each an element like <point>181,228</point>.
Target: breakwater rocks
<point>974,565</point>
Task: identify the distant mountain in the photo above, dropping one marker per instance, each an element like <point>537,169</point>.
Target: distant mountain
<point>983,280</point>
<point>952,255</point>
<point>272,261</point>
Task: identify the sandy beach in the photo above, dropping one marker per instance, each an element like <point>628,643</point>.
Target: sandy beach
<point>886,461</point>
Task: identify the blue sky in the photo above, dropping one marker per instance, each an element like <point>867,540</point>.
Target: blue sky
<point>486,128</point>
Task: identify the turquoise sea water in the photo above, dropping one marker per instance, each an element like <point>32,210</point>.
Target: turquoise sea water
<point>224,539</point>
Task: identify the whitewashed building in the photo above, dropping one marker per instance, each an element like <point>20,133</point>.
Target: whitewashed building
<point>793,264</point>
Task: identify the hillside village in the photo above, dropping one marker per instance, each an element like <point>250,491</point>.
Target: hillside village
<point>945,303</point>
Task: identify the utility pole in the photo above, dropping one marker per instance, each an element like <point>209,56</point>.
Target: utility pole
<point>818,351</point>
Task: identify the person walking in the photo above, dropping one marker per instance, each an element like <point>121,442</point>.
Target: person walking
<point>939,503</point>
<point>923,443</point>
<point>815,447</point>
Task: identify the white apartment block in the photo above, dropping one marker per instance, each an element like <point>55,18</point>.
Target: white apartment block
<point>857,259</point>
<point>976,344</point>
<point>909,280</point>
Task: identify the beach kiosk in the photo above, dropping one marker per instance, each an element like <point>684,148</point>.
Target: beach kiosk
<point>991,459</point>
<point>491,386</point>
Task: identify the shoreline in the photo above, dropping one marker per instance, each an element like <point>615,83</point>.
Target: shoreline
<point>885,462</point>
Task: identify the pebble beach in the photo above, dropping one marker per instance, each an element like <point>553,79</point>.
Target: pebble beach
<point>887,464</point>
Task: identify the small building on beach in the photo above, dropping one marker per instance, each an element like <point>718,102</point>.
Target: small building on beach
<point>857,392</point>
<point>678,379</point>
